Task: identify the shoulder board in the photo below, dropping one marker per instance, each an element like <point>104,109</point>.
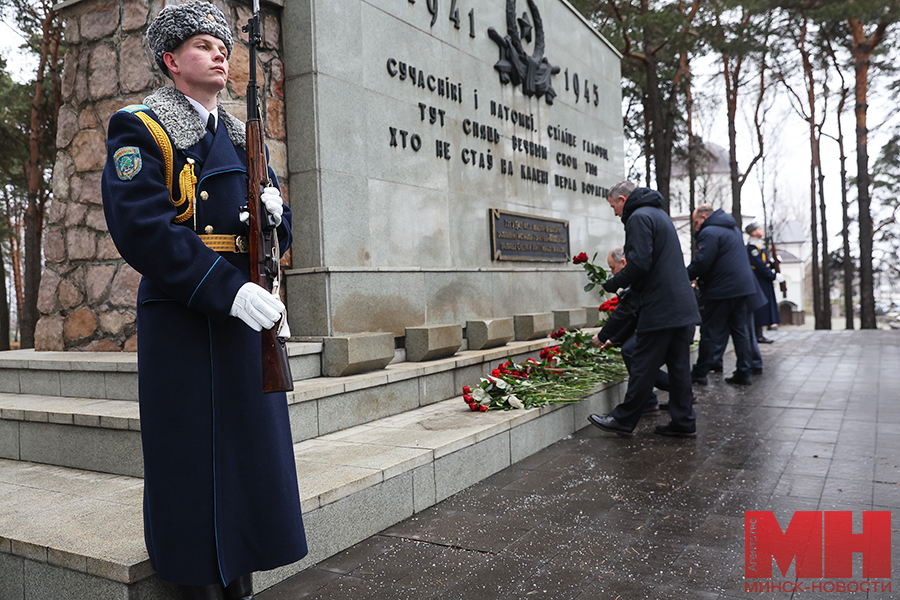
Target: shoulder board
<point>134,108</point>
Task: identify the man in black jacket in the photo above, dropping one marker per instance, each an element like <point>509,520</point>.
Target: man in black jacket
<point>667,317</point>
<point>726,284</point>
<point>620,325</point>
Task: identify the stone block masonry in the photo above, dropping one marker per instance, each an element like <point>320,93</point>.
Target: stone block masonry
<point>87,295</point>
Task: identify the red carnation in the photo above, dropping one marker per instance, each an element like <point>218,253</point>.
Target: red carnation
<point>483,408</point>
<point>467,389</point>
<point>468,398</point>
<point>473,407</point>
<point>580,258</point>
<point>558,334</point>
<point>610,305</point>
<point>496,373</point>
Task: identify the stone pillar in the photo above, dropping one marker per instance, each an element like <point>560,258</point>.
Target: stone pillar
<point>87,295</point>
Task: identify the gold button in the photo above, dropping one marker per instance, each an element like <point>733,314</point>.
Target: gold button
<point>209,229</point>
<point>204,195</point>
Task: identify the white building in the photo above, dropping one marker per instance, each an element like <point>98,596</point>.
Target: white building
<point>789,239</point>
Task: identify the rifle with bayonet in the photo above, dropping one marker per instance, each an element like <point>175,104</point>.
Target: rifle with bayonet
<point>265,253</point>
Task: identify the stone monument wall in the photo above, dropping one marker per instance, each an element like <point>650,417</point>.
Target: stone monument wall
<point>87,295</point>
<point>427,135</point>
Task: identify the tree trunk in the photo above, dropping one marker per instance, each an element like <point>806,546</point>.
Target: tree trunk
<point>731,94</point>
<point>862,49</point>
<point>692,151</point>
<point>809,77</point>
<point>845,235</point>
<point>653,107</point>
<point>15,258</point>
<point>826,259</point>
<point>4,306</point>
<point>34,212</point>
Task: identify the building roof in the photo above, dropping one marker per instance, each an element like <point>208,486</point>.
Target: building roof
<point>787,257</point>
<point>712,159</point>
<point>788,232</point>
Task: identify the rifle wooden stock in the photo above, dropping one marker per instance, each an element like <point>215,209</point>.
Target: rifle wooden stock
<point>276,370</point>
<point>777,264</point>
<point>264,252</point>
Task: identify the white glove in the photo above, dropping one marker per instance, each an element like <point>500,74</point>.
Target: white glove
<point>271,199</point>
<point>256,307</point>
<point>779,277</point>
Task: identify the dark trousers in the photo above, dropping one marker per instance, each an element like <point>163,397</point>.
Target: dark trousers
<point>653,349</point>
<point>662,378</point>
<point>721,317</point>
<point>755,356</point>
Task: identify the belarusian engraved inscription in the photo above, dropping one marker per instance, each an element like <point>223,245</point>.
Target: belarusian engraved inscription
<point>516,236</point>
<point>531,147</point>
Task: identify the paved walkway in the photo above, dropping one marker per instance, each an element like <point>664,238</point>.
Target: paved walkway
<point>596,516</point>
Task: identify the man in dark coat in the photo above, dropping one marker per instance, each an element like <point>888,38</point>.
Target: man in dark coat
<point>763,268</point>
<point>667,317</point>
<point>726,284</point>
<point>620,326</point>
<point>220,482</point>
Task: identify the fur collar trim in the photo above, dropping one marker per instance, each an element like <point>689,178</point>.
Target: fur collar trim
<point>182,122</point>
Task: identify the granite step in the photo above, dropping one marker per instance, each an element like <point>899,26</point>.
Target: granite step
<point>77,534</point>
<point>107,375</point>
<point>98,434</point>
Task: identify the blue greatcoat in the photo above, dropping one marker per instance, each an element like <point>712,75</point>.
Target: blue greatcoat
<point>767,314</point>
<point>220,483</point>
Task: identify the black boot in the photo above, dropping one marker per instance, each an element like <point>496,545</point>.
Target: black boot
<point>240,589</point>
<point>202,592</point>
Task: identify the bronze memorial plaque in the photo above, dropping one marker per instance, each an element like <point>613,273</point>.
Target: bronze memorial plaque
<point>515,236</point>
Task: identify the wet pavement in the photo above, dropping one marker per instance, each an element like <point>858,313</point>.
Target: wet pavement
<point>599,516</point>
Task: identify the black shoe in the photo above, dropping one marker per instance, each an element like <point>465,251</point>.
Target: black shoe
<point>240,589</point>
<point>672,432</point>
<point>202,592</point>
<point>738,379</point>
<point>608,423</point>
<point>699,380</point>
<point>757,371</point>
<point>764,340</point>
<point>651,410</point>
<point>715,369</point>
<point>663,406</point>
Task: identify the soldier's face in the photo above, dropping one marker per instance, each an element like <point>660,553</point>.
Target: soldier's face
<point>201,62</point>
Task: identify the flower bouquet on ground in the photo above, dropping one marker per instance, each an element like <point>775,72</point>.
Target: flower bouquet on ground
<point>565,374</point>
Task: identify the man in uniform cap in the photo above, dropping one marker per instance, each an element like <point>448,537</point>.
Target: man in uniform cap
<point>763,268</point>
<point>220,483</point>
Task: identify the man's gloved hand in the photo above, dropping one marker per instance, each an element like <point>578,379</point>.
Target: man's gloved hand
<point>779,277</point>
<point>256,307</point>
<point>271,199</point>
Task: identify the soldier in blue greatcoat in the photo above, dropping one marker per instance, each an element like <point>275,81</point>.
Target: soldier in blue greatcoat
<point>764,268</point>
<point>220,483</point>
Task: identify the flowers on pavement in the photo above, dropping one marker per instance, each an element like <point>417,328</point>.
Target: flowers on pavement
<point>565,374</point>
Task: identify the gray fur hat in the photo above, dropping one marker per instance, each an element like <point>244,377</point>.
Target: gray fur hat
<point>752,227</point>
<point>177,22</point>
